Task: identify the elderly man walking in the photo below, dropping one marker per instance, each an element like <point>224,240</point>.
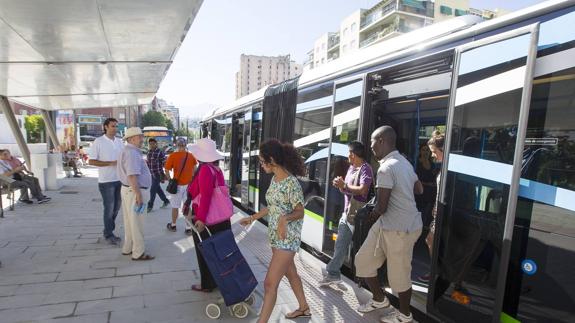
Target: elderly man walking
<point>136,181</point>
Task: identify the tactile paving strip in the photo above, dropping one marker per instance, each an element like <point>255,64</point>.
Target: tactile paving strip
<point>328,304</point>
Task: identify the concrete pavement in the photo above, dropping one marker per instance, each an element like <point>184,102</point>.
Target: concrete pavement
<point>57,268</point>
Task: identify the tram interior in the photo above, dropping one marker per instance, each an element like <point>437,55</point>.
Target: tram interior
<point>415,117</point>
<point>415,120</point>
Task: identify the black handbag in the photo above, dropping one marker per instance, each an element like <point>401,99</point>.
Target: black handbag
<point>172,187</point>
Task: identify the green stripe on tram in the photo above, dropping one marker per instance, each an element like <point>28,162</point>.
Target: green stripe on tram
<point>506,318</point>
<point>313,215</point>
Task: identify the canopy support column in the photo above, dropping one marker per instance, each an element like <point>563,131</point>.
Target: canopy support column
<point>13,123</point>
<point>50,128</point>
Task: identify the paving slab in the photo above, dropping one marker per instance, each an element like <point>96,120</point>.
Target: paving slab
<point>37,313</point>
<point>57,268</point>
<point>88,318</point>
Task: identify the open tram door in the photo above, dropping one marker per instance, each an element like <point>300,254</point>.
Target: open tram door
<point>486,127</point>
<point>345,123</point>
<point>413,98</point>
<point>236,153</point>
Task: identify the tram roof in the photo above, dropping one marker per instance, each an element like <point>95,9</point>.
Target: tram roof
<point>243,101</point>
<point>70,54</point>
<point>428,37</point>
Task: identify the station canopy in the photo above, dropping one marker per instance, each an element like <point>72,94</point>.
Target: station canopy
<point>75,54</point>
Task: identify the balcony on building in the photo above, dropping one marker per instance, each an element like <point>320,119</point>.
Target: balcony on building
<point>391,18</point>
<point>382,12</point>
<point>332,43</point>
<point>396,27</point>
<point>308,63</point>
<point>333,55</point>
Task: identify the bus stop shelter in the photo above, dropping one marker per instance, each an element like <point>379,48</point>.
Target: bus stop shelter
<point>71,54</point>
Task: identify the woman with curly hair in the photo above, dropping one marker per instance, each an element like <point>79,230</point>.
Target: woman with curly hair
<point>285,219</point>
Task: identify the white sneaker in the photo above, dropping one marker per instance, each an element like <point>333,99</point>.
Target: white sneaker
<point>327,280</point>
<point>397,318</point>
<point>372,305</point>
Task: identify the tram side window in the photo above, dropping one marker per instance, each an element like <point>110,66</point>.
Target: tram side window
<point>217,132</point>
<point>549,155</point>
<point>222,135</point>
<point>311,139</point>
<point>227,134</point>
<point>544,232</point>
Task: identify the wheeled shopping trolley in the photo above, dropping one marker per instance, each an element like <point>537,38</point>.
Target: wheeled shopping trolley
<point>231,273</point>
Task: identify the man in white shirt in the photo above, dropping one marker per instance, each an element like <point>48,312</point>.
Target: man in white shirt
<point>104,154</point>
<point>397,228</point>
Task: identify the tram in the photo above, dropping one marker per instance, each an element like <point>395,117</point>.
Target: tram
<point>504,93</point>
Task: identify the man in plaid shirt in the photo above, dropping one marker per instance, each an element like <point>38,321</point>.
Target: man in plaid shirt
<point>156,159</point>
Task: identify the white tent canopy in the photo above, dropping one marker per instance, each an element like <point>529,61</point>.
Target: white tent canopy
<point>74,54</point>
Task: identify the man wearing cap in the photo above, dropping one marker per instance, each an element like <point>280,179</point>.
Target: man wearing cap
<point>136,181</point>
<point>104,154</point>
<point>182,164</point>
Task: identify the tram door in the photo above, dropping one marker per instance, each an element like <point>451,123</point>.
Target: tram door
<point>255,125</point>
<point>236,155</point>
<point>245,159</point>
<point>489,107</point>
<point>344,129</point>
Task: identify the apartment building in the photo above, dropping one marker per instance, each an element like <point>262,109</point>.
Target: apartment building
<point>387,19</point>
<point>258,71</point>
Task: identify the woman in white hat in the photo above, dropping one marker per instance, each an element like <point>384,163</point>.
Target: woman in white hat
<point>208,174</point>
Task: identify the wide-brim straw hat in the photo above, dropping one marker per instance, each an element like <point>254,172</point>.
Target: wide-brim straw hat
<point>134,131</point>
<point>205,150</point>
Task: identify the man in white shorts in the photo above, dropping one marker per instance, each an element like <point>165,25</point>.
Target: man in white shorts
<point>182,164</point>
<point>396,230</point>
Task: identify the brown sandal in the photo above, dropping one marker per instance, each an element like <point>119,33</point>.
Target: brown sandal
<point>299,313</point>
<point>144,256</point>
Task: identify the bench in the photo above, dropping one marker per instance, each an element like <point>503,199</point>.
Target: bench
<point>6,188</point>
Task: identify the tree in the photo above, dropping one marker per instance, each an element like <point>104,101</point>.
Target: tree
<point>35,128</point>
<point>169,124</point>
<point>153,118</point>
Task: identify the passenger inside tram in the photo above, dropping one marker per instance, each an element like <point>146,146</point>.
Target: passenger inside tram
<point>415,119</point>
<point>427,172</point>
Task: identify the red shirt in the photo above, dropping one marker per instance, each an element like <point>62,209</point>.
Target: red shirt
<point>204,183</point>
<point>14,162</point>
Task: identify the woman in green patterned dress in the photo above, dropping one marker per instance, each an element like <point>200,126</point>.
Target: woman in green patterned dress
<point>285,220</point>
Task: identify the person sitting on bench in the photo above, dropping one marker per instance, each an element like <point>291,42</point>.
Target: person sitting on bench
<point>24,179</point>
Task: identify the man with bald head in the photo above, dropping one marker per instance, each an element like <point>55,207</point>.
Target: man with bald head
<point>396,230</point>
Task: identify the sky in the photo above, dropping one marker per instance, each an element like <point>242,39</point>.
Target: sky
<point>202,76</point>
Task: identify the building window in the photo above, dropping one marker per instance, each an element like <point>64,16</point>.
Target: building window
<point>323,60</point>
<point>344,48</point>
<point>345,32</point>
<point>446,10</point>
<point>353,26</point>
<point>460,12</point>
<point>352,44</point>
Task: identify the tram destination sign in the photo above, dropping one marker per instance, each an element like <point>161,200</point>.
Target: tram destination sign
<point>541,141</point>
